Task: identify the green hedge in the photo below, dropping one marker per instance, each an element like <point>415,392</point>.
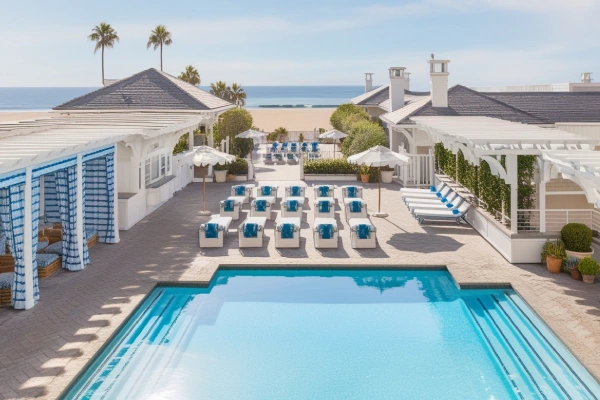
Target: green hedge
<point>238,167</point>
<point>329,167</point>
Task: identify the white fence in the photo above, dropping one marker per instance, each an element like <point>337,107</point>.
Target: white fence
<point>418,173</point>
<point>529,220</point>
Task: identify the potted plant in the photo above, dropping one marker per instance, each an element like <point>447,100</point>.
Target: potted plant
<point>554,254</point>
<point>589,269</point>
<point>220,172</point>
<point>571,267</point>
<point>387,173</point>
<point>577,239</point>
<point>364,173</point>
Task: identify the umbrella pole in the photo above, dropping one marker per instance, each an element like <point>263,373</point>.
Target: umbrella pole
<point>379,184</point>
<point>204,212</point>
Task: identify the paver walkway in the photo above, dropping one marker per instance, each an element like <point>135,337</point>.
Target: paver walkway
<point>42,349</point>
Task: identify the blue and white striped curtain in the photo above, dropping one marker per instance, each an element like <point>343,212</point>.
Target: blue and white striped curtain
<point>99,197</point>
<point>35,221</point>
<point>66,187</point>
<point>12,211</point>
<point>51,207</point>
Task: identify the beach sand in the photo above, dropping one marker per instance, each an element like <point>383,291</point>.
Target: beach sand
<point>303,119</point>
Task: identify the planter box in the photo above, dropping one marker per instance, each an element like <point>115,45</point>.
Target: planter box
<point>240,178</point>
<point>579,256</point>
<point>386,176</point>
<point>329,177</point>
<point>220,176</point>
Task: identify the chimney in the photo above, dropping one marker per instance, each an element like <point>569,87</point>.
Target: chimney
<point>438,79</point>
<point>586,77</point>
<point>368,81</point>
<point>396,88</point>
<point>406,80</point>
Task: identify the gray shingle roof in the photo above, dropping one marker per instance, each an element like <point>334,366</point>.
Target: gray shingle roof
<point>147,90</point>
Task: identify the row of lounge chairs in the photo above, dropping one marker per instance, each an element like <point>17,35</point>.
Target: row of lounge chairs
<point>435,203</point>
<point>287,226</point>
<point>294,147</point>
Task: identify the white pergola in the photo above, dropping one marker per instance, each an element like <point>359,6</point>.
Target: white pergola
<point>486,139</point>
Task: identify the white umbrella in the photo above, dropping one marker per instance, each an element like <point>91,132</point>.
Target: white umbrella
<point>379,156</point>
<point>335,135</point>
<point>203,157</point>
<point>251,134</point>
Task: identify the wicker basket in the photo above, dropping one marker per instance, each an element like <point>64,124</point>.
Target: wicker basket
<point>5,297</point>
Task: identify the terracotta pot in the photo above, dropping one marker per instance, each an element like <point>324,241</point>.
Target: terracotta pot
<point>364,178</point>
<point>230,177</point>
<point>575,274</point>
<point>588,278</point>
<point>553,264</point>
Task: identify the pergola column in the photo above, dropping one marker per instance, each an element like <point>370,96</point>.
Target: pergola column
<point>211,140</point>
<point>79,222</point>
<point>28,239</point>
<point>511,175</point>
<point>542,204</point>
<point>115,197</point>
<point>191,140</point>
<point>393,144</point>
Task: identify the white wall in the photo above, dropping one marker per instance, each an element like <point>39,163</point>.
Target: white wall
<point>591,130</point>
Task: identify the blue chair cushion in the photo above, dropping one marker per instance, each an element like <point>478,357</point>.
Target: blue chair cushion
<point>287,231</point>
<point>449,205</point>
<point>211,230</point>
<point>250,230</point>
<point>260,205</point>
<point>290,156</point>
<point>323,191</point>
<point>229,205</point>
<point>240,190</point>
<point>3,240</point>
<point>355,206</point>
<point>432,189</point>
<point>6,280</point>
<point>268,157</point>
<point>326,231</point>
<point>54,248</point>
<point>351,191</point>
<point>42,244</point>
<point>444,199</point>
<point>363,231</point>
<point>323,206</point>
<point>314,146</point>
<point>438,194</point>
<point>455,212</point>
<point>265,190</point>
<point>295,191</point>
<point>292,205</point>
<point>43,260</point>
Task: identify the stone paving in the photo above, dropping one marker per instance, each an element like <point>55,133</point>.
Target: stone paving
<point>42,349</point>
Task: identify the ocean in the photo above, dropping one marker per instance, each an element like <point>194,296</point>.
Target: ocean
<point>43,99</point>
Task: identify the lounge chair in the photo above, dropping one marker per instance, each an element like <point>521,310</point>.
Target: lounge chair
<point>453,215</point>
<point>355,208</point>
<point>314,147</point>
<point>294,147</point>
<point>267,191</point>
<point>231,207</point>
<point>284,147</point>
<point>324,207</point>
<point>295,191</point>
<point>323,191</point>
<point>362,233</point>
<point>279,158</point>
<point>430,189</point>
<point>325,233</point>
<point>268,158</point>
<point>242,190</point>
<point>292,207</point>
<point>304,147</point>
<point>451,198</point>
<point>261,207</point>
<point>211,233</point>
<point>352,191</point>
<point>92,238</point>
<point>449,205</point>
<point>6,282</point>
<point>412,197</point>
<point>287,233</point>
<point>291,158</point>
<point>251,232</point>
<point>48,264</point>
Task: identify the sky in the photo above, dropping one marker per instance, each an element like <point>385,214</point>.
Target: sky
<point>308,42</point>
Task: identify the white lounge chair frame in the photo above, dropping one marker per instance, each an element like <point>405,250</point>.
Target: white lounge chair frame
<point>235,214</point>
<point>363,209</point>
<point>358,243</point>
<point>412,197</point>
<point>294,242</point>
<point>330,214</point>
<point>288,191</point>
<point>258,240</point>
<point>292,214</point>
<point>438,188</point>
<point>321,243</point>
<point>423,214</point>
<point>223,222</point>
<point>266,214</point>
<point>359,191</point>
<point>317,194</point>
<point>441,206</point>
<point>249,188</point>
<point>257,192</point>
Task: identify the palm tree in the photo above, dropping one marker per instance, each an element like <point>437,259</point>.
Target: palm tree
<point>237,95</point>
<point>105,36</point>
<point>158,37</point>
<point>220,89</point>
<point>190,75</point>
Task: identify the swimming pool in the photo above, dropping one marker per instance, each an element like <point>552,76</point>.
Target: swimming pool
<point>331,334</point>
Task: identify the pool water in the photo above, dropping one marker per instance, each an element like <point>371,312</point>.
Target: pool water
<point>334,335</point>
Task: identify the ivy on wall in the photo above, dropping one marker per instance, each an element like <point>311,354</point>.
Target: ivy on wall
<point>490,189</point>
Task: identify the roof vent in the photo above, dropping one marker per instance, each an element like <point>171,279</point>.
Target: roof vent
<point>438,78</point>
<point>396,88</point>
<point>368,81</point>
<point>586,77</point>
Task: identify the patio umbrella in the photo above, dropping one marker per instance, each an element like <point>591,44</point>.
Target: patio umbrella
<point>203,157</point>
<point>251,134</point>
<point>379,156</point>
<point>335,135</point>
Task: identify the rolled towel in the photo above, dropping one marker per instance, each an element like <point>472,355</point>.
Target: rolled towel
<point>326,231</point>
<point>250,230</point>
<point>287,231</point>
<point>291,205</point>
<point>355,206</point>
<point>323,206</point>
<point>228,205</point>
<point>211,230</point>
<point>363,231</point>
<point>260,205</point>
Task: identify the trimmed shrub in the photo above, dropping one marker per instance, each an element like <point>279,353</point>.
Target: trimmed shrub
<point>241,147</point>
<point>239,167</point>
<point>231,123</point>
<point>343,112</point>
<point>329,167</point>
<point>364,135</point>
<point>588,266</point>
<point>577,237</point>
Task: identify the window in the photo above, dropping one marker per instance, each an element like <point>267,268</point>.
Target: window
<point>140,177</point>
<point>155,172</point>
<point>168,163</point>
<point>163,165</point>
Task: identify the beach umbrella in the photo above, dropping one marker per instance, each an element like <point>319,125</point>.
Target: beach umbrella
<point>203,157</point>
<point>335,135</point>
<point>251,134</point>
<point>377,157</point>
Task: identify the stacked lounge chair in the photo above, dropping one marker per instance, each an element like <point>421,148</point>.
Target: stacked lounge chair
<point>287,233</point>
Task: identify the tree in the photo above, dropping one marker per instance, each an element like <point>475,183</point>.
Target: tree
<point>190,75</point>
<point>231,123</point>
<point>159,37</point>
<point>221,90</point>
<point>281,133</point>
<point>241,147</point>
<point>343,112</point>
<point>105,36</point>
<point>237,95</point>
<point>364,135</point>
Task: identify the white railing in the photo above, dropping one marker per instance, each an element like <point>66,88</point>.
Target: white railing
<point>419,172</point>
<point>529,220</point>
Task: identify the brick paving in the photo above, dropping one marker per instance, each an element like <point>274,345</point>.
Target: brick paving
<point>42,349</point>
